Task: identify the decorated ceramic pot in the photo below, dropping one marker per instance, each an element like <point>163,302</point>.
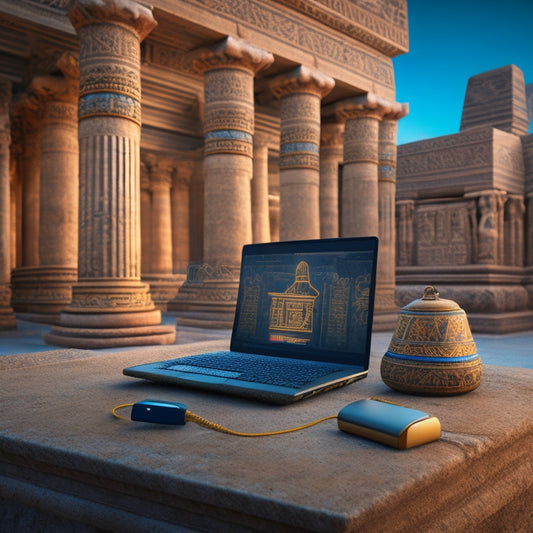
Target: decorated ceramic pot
<point>432,351</point>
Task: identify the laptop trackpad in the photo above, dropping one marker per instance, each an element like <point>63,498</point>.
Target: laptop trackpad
<point>192,369</point>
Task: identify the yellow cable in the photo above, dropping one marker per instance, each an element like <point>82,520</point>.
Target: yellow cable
<point>115,409</point>
<point>191,417</point>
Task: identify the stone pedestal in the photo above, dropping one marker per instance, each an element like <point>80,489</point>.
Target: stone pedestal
<point>7,316</point>
<point>300,91</point>
<point>110,305</point>
<point>229,69</point>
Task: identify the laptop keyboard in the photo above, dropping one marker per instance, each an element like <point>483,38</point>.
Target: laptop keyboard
<point>254,368</point>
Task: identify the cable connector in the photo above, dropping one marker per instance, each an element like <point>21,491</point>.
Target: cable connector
<point>159,412</point>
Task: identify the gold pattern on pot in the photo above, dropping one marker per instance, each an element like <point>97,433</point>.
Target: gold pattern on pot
<point>432,351</point>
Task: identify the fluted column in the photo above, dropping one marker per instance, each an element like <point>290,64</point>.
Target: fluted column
<point>163,283</point>
<point>300,91</point>
<point>110,304</point>
<point>210,291</point>
<point>7,316</point>
<point>260,209</point>
<point>386,269</point>
<point>331,154</point>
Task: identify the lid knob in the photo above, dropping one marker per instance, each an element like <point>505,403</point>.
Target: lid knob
<point>430,293</point>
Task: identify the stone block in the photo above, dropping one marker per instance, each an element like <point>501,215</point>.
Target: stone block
<point>496,98</point>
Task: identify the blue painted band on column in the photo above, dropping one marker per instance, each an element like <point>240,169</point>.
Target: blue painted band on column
<point>289,148</point>
<point>458,359</point>
<point>109,104</point>
<point>234,135</point>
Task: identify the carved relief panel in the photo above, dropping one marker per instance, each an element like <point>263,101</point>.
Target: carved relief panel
<point>444,233</point>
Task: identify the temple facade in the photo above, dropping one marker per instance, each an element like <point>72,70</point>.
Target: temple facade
<point>141,148</point>
<point>465,210</point>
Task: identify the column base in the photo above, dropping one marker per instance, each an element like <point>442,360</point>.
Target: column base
<point>208,297</point>
<point>163,288</point>
<point>42,292</point>
<point>107,314</point>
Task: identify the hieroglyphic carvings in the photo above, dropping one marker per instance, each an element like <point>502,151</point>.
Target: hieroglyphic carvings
<point>490,228</point>
<point>405,212</point>
<point>382,26</point>
<point>229,67</point>
<point>514,230</point>
<point>444,234</point>
<point>436,156</point>
<point>279,24</point>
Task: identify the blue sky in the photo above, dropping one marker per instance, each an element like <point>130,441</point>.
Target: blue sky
<point>450,41</point>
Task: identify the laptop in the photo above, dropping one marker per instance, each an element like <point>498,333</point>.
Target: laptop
<point>303,324</point>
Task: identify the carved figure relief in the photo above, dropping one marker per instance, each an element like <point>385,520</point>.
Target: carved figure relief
<point>443,234</point>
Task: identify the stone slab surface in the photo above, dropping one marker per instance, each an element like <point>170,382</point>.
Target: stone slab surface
<point>65,460</point>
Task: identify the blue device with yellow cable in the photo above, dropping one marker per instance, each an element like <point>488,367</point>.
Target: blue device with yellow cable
<point>375,419</point>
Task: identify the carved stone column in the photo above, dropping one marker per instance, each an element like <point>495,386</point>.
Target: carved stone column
<point>163,283</point>
<point>26,112</point>
<point>181,215</point>
<point>386,270</point>
<point>110,305</point>
<point>50,288</point>
<point>368,186</point>
<point>260,210</point>
<point>360,214</point>
<point>210,292</point>
<point>331,154</point>
<point>300,91</point>
<point>146,216</point>
<point>7,316</point>
<point>273,210</point>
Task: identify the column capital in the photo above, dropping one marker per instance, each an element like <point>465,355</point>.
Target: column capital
<point>183,173</point>
<point>62,88</point>
<point>301,80</point>
<point>366,105</point>
<point>231,52</point>
<point>124,12</point>
<point>156,170</point>
<point>331,133</point>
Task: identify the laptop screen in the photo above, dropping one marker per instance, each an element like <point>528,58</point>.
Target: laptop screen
<point>307,299</point>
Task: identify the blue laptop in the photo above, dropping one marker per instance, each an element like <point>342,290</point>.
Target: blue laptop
<point>303,324</point>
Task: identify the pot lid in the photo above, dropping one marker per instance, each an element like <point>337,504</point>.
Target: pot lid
<point>431,303</point>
